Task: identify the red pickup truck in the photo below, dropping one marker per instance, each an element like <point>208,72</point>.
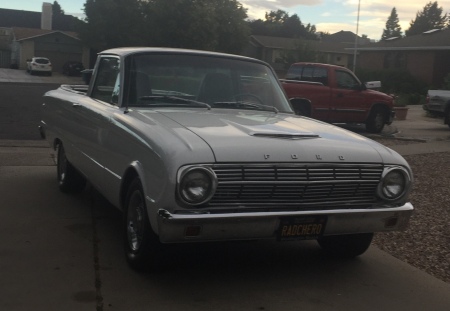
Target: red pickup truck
<point>334,94</point>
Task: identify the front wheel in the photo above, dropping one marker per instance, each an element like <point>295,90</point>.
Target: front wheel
<point>141,243</point>
<point>346,246</point>
<point>69,179</point>
<point>447,117</point>
<point>376,121</point>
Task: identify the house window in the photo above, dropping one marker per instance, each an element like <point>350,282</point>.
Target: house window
<point>394,60</point>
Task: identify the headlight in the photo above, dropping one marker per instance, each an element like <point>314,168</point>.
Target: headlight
<point>394,183</point>
<point>196,184</point>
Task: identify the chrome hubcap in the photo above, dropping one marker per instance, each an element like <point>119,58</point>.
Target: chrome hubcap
<point>135,221</point>
<point>62,165</point>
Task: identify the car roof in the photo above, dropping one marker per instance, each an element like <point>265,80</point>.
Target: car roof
<point>126,51</point>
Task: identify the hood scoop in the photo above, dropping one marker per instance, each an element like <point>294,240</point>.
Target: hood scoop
<point>293,136</point>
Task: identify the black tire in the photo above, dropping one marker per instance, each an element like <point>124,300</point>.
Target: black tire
<point>69,179</point>
<point>375,121</point>
<point>447,117</point>
<point>346,246</point>
<point>302,110</point>
<point>142,246</point>
<point>301,107</point>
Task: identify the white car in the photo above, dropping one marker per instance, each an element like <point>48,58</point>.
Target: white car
<point>196,146</point>
<point>39,64</point>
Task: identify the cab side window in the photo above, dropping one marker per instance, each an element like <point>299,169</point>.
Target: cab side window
<point>107,83</point>
<point>345,80</point>
<point>308,73</point>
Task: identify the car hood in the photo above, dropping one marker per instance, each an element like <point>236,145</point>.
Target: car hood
<point>258,136</point>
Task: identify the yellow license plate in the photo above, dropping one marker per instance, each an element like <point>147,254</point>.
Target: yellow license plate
<point>301,228</point>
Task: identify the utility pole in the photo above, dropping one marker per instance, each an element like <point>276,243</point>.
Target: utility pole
<point>356,37</point>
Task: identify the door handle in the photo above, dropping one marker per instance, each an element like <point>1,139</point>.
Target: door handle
<point>76,105</point>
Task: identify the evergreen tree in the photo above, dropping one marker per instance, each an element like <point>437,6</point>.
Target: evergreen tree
<point>429,18</point>
<point>393,28</point>
<point>56,9</point>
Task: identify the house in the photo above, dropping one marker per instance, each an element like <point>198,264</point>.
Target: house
<point>58,46</point>
<point>281,52</point>
<point>25,34</point>
<point>425,56</point>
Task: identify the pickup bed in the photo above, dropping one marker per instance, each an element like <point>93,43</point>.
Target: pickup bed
<point>334,94</point>
<point>438,103</point>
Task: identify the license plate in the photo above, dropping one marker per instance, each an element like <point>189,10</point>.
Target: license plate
<point>301,228</point>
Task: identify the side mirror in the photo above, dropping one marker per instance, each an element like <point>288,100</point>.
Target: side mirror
<point>373,85</point>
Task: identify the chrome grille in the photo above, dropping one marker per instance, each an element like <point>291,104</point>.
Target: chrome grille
<point>296,186</point>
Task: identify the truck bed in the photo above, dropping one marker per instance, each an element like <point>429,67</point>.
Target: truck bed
<point>75,88</point>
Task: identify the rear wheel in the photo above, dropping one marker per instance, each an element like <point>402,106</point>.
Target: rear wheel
<point>346,246</point>
<point>69,179</point>
<point>141,243</point>
<point>376,121</point>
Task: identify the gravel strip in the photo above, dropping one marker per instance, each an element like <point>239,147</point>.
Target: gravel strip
<point>426,243</point>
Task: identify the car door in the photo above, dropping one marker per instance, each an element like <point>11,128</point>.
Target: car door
<point>347,98</point>
<point>94,115</point>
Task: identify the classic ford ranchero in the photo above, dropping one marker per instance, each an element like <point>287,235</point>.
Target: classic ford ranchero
<point>199,146</point>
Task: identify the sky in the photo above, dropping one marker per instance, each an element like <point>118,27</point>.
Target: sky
<point>327,15</point>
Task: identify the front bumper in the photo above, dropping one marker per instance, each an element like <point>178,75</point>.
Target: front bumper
<point>173,228</point>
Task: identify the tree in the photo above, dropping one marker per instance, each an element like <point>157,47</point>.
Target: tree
<point>215,25</point>
<point>112,23</point>
<point>393,28</point>
<point>60,21</point>
<point>56,9</point>
<point>429,18</point>
<point>280,24</point>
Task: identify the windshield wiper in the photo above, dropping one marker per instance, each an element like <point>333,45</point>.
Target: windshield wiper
<point>247,105</point>
<point>175,98</point>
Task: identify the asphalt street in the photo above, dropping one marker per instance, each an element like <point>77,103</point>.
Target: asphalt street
<point>64,252</point>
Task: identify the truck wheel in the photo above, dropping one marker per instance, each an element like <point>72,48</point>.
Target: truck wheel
<point>302,111</point>
<point>346,246</point>
<point>376,121</point>
<point>141,243</point>
<point>69,179</point>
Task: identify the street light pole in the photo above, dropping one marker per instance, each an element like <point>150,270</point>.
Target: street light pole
<point>356,38</point>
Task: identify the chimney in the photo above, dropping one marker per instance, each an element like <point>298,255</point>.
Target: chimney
<point>46,16</point>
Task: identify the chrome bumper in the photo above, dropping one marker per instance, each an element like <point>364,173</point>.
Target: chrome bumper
<point>242,226</point>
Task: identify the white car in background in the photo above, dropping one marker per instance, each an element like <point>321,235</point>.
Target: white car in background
<point>39,64</point>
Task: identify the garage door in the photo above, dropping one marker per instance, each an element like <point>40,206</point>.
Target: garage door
<point>58,59</point>
<point>5,59</point>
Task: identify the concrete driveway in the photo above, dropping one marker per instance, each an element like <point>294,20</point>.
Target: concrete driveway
<point>21,76</point>
<point>64,252</point>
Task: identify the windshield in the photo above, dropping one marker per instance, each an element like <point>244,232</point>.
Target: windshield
<point>204,82</point>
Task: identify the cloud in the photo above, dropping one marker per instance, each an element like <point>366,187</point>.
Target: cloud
<point>257,8</point>
<point>336,15</point>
